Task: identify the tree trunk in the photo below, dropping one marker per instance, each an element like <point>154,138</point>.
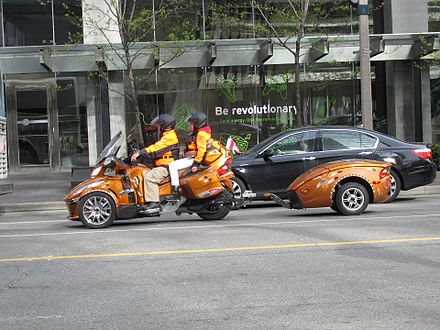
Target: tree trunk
<point>134,94</point>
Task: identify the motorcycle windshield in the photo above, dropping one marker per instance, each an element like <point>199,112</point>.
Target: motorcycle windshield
<point>111,148</point>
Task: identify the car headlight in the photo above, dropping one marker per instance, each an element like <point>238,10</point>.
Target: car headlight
<point>95,171</point>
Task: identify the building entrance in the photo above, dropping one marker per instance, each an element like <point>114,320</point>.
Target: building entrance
<point>32,123</point>
<point>32,127</point>
<point>47,121</point>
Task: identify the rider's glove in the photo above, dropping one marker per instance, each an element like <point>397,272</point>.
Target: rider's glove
<point>146,154</point>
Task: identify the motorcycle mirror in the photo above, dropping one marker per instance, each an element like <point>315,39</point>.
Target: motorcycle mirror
<point>108,163</point>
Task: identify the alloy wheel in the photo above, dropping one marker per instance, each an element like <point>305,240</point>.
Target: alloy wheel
<point>97,210</point>
<point>353,199</point>
<point>236,189</point>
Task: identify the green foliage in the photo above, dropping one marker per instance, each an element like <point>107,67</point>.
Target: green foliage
<point>436,154</point>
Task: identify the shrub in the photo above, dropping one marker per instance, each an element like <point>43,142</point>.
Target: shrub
<point>436,154</point>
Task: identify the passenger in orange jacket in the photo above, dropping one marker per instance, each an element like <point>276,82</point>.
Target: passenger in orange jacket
<point>198,143</point>
<point>163,152</point>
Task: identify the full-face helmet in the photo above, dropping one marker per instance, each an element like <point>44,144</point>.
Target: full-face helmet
<point>199,119</point>
<point>163,122</point>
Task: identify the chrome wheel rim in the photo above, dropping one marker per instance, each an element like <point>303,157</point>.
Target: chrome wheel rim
<point>236,189</point>
<point>353,199</point>
<point>393,185</point>
<point>97,210</point>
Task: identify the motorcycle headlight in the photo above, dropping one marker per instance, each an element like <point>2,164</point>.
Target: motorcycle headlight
<point>95,171</point>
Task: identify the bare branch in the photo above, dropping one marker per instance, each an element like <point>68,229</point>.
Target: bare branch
<point>277,36</point>
<point>294,9</point>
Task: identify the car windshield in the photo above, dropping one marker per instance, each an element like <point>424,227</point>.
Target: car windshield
<point>111,148</point>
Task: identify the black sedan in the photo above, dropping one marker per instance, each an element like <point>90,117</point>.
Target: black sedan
<point>274,163</point>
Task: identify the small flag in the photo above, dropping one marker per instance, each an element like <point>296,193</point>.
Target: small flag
<point>232,146</point>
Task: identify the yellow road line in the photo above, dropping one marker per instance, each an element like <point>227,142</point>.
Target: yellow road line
<point>231,249</point>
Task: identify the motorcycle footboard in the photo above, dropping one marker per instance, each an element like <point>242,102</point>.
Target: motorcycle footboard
<point>279,201</point>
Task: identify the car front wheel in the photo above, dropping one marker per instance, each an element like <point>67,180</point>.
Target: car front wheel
<point>351,198</point>
<point>238,187</point>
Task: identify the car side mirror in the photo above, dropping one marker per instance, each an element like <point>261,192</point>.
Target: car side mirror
<point>267,153</point>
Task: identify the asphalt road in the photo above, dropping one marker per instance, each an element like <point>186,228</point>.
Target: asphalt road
<point>259,268</point>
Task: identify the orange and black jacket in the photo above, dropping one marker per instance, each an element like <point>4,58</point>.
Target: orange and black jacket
<point>165,150</point>
<point>204,147</point>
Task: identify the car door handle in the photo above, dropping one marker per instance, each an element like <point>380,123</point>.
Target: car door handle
<point>308,158</point>
<point>365,153</point>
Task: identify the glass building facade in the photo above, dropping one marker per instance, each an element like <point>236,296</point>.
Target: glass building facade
<point>246,86</point>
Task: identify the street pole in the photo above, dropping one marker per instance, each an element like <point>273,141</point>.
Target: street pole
<point>364,53</point>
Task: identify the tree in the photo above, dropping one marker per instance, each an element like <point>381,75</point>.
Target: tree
<point>128,29</point>
<point>293,20</point>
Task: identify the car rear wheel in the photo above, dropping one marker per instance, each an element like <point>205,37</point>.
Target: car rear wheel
<point>97,210</point>
<point>351,199</point>
<point>396,185</point>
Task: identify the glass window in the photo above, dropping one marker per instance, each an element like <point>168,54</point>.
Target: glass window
<point>181,21</point>
<point>295,144</point>
<point>340,140</point>
<point>434,15</point>
<point>173,91</point>
<point>323,18</point>
<point>68,25</point>
<point>27,22</point>
<point>32,124</point>
<point>231,102</point>
<point>367,141</point>
<point>229,19</point>
<point>72,116</point>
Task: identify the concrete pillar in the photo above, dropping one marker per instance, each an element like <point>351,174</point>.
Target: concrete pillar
<point>408,117</point>
<point>426,105</point>
<point>99,24</point>
<point>400,103</point>
<point>92,118</point>
<point>117,105</point>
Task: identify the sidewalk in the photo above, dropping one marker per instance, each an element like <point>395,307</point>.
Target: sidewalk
<point>36,189</point>
<point>39,189</point>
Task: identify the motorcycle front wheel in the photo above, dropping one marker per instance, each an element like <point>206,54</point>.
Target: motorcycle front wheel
<point>97,210</point>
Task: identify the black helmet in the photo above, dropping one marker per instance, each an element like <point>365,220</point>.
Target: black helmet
<point>162,122</point>
<point>199,119</point>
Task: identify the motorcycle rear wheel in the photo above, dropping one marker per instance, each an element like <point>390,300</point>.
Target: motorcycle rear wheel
<point>218,213</point>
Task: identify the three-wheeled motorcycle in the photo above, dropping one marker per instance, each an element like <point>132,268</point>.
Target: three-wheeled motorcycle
<point>115,191</point>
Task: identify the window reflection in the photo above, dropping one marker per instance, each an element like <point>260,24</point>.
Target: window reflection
<point>27,22</point>
<point>68,29</point>
<point>72,117</point>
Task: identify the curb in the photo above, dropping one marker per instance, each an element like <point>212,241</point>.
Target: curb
<point>28,207</point>
<point>426,190</point>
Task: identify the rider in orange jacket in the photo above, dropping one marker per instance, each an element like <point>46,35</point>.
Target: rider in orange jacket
<point>164,151</point>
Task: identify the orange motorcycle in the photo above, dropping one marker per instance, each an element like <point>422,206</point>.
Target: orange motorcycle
<point>115,191</point>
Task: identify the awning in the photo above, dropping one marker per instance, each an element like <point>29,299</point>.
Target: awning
<point>216,53</point>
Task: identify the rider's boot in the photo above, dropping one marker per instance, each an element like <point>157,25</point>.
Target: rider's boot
<point>151,206</point>
<point>175,195</point>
